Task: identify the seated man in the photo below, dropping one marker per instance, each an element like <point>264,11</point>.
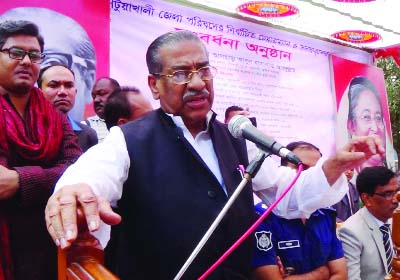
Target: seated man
<point>366,235</point>
<point>58,85</point>
<point>124,105</point>
<point>308,248</point>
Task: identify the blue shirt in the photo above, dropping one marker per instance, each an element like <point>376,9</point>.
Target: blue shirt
<point>303,247</point>
<point>74,125</point>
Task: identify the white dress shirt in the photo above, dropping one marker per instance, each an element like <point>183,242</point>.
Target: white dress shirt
<point>99,125</point>
<point>311,191</point>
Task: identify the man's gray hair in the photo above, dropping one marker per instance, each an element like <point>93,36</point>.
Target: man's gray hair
<point>153,59</point>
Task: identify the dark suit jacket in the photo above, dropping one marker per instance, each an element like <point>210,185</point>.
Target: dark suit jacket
<point>171,198</point>
<point>87,136</point>
<point>343,207</point>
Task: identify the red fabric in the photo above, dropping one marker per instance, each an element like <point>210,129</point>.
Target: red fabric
<point>5,254</point>
<point>38,137</point>
<point>391,51</point>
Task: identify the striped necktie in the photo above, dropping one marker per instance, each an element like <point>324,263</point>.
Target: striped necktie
<point>385,229</point>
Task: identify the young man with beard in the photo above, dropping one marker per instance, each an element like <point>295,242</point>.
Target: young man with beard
<point>36,146</point>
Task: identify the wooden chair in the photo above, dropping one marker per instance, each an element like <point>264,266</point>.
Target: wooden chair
<point>84,259</point>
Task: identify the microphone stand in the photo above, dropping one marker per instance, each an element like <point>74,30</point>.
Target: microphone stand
<point>251,171</point>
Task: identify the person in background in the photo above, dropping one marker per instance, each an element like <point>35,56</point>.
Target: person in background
<point>57,83</point>
<point>101,91</point>
<point>350,203</point>
<point>299,248</point>
<point>72,48</point>
<point>233,111</point>
<point>366,235</point>
<point>125,105</point>
<point>36,145</point>
<point>177,158</point>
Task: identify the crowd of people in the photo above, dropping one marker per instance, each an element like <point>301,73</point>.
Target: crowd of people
<point>164,175</point>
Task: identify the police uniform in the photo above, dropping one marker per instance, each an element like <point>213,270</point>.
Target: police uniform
<point>301,247</point>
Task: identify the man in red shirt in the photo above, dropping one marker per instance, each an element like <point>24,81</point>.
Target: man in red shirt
<point>36,145</point>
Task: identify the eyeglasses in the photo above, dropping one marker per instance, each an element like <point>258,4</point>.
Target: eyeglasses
<point>19,54</point>
<point>367,119</point>
<point>387,195</point>
<point>182,77</point>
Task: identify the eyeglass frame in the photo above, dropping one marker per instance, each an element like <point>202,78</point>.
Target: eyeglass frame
<point>190,75</point>
<point>368,119</point>
<point>387,195</point>
<point>29,53</point>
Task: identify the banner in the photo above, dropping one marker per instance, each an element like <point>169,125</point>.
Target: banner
<point>362,106</point>
<point>283,78</point>
<point>76,33</point>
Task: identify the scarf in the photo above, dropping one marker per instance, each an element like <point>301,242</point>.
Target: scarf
<point>36,138</point>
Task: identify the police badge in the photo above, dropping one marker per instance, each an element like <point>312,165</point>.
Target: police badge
<point>264,241</point>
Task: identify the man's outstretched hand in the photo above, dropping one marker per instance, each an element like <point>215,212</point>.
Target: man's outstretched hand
<point>61,213</point>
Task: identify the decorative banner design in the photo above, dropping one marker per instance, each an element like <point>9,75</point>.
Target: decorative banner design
<point>267,9</point>
<point>357,36</point>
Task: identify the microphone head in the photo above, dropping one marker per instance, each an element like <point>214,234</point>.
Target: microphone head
<point>237,124</point>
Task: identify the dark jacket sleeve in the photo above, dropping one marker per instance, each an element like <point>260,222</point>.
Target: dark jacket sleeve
<point>36,183</point>
<point>87,137</point>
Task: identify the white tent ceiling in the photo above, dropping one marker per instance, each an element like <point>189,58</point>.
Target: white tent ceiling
<point>323,18</point>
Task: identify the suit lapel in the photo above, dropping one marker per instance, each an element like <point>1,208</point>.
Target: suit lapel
<point>376,234</point>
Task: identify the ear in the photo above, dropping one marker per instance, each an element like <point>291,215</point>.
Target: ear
<point>153,85</point>
<point>366,199</point>
<point>122,121</point>
<point>350,125</point>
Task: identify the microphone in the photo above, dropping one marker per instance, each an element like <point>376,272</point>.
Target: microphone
<point>240,126</point>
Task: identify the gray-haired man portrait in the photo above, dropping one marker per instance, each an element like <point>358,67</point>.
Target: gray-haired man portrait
<point>72,48</point>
